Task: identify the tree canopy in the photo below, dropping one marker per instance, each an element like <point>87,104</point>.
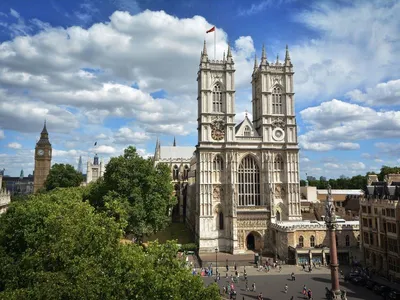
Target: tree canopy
<point>132,190</point>
<point>63,176</point>
<point>54,246</point>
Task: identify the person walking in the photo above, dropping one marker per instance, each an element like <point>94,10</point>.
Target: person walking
<point>304,290</point>
<point>309,294</point>
<point>286,288</point>
<point>253,286</point>
<point>293,276</point>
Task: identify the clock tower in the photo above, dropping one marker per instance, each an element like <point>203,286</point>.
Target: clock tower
<point>43,152</point>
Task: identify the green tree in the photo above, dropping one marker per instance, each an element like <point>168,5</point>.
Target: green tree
<point>54,246</point>
<point>139,192</point>
<point>63,176</point>
<point>385,170</point>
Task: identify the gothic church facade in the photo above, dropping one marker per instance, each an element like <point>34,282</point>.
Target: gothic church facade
<point>246,175</point>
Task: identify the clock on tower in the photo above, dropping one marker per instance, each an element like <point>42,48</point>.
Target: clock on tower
<point>43,152</point>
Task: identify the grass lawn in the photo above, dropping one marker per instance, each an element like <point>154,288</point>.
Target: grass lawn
<point>176,231</point>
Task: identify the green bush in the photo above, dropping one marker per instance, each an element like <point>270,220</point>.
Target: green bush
<point>189,247</point>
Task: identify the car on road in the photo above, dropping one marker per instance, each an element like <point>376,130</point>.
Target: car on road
<point>381,289</point>
<point>359,280</point>
<point>351,275</point>
<point>394,295</point>
<point>370,284</point>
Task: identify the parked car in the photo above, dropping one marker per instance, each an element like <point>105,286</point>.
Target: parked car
<point>359,280</point>
<point>381,289</point>
<point>348,276</point>
<point>370,284</point>
<point>394,295</point>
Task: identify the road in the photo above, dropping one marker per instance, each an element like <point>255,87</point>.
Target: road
<point>272,285</point>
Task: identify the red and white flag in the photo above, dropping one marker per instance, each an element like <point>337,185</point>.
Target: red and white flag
<point>211,30</point>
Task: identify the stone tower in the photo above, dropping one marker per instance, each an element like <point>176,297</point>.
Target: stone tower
<point>275,121</point>
<point>43,153</point>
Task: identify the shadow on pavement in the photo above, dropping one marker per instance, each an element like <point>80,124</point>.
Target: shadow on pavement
<point>250,296</point>
<point>346,285</point>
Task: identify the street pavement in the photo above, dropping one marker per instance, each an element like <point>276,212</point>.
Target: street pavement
<point>272,284</point>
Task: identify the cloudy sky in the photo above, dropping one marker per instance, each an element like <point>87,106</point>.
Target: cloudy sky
<point>123,72</point>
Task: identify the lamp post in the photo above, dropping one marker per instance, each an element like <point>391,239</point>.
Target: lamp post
<point>331,224</point>
<point>216,264</point>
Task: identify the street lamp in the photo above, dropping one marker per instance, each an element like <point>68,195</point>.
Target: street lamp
<point>216,264</point>
<point>331,224</point>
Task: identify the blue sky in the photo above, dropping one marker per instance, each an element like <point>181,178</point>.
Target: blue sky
<point>123,72</point>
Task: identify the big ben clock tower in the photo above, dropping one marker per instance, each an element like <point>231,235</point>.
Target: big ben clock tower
<point>42,160</point>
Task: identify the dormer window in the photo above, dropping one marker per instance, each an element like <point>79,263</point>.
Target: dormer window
<point>247,131</point>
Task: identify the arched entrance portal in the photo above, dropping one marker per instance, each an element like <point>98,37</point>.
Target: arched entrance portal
<point>253,241</point>
<point>250,242</point>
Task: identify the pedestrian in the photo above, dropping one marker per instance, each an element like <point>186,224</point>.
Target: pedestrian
<point>234,265</point>
<point>292,298</point>
<point>309,294</point>
<point>304,266</point>
<point>226,275</point>
<point>286,288</point>
<point>247,286</point>
<point>253,286</point>
<point>260,296</point>
<point>293,277</point>
<point>304,290</point>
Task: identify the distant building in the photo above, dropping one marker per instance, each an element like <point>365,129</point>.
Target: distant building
<point>19,185</point>
<point>43,154</point>
<point>380,226</point>
<point>178,159</point>
<point>5,196</point>
<point>94,170</point>
<point>80,165</point>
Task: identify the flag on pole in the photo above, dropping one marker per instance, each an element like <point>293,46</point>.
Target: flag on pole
<point>211,30</point>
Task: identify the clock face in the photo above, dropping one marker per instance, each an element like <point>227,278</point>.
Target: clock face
<point>40,152</point>
<point>217,134</point>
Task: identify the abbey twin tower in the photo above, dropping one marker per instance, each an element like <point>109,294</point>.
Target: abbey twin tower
<point>243,177</point>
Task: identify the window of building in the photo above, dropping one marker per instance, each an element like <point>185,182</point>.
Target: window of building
<point>278,168</point>
<point>277,101</point>
<point>365,222</point>
<point>393,264</point>
<point>364,209</point>
<point>369,209</point>
<point>278,215</point>
<point>186,172</point>
<point>371,238</point>
<point>347,241</point>
<point>175,173</point>
<point>392,245</point>
<point>249,182</point>
<point>366,238</point>
<point>247,131</point>
<point>221,221</point>
<point>383,212</point>
<point>369,223</point>
<point>218,167</point>
<point>312,241</point>
<point>301,241</point>
<point>217,98</point>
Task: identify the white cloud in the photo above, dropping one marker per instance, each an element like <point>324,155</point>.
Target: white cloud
<point>331,166</point>
<point>104,149</point>
<point>386,93</point>
<point>2,135</point>
<point>357,166</point>
<point>14,145</point>
<point>128,136</point>
<point>256,8</point>
<point>356,45</point>
<point>332,124</point>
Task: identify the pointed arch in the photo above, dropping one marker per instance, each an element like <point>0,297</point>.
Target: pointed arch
<point>217,97</point>
<point>277,102</point>
<point>186,172</point>
<point>175,172</point>
<point>218,167</point>
<point>249,182</point>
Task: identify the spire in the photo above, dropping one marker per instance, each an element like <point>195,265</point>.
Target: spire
<point>229,54</point>
<point>44,130</point>
<point>255,63</point>
<point>263,56</point>
<point>157,151</point>
<point>174,142</point>
<point>204,49</point>
<point>21,175</point>
<point>287,57</point>
<point>277,58</point>
<point>223,56</point>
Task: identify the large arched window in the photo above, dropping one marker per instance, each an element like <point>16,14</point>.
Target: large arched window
<point>301,241</point>
<point>312,241</point>
<point>186,172</point>
<point>277,108</point>
<point>347,241</point>
<point>218,167</point>
<point>217,98</point>
<point>278,168</point>
<point>249,182</point>
<point>247,131</point>
<point>175,173</point>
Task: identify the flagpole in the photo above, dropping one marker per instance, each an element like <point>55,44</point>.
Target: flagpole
<point>215,43</point>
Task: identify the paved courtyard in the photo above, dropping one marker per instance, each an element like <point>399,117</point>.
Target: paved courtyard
<point>272,284</point>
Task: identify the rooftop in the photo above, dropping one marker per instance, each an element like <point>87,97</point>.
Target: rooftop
<point>341,192</point>
<point>177,152</point>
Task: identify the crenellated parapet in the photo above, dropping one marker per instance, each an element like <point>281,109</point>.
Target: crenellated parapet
<point>317,225</point>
